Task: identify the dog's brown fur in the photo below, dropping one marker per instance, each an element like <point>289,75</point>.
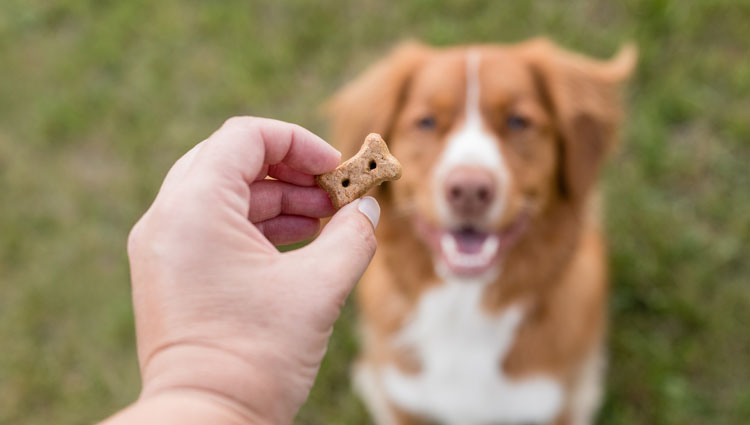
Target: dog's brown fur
<point>558,267</point>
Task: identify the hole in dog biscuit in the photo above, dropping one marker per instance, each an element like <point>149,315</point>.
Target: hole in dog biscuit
<point>373,164</point>
<point>345,182</point>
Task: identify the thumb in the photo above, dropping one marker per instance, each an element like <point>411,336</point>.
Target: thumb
<point>343,250</point>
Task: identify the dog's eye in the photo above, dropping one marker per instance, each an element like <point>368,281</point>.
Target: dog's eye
<point>517,122</point>
<point>427,123</point>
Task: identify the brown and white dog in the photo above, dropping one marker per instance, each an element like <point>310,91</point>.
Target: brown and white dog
<point>486,301</point>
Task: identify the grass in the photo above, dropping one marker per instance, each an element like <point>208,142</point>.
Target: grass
<point>98,98</point>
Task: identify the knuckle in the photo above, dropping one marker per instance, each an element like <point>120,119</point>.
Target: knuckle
<point>134,238</point>
<point>245,127</point>
<point>371,242</point>
<point>142,234</point>
<point>239,122</point>
<point>296,128</point>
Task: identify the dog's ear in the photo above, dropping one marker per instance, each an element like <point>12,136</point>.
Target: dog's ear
<point>370,103</point>
<point>583,95</point>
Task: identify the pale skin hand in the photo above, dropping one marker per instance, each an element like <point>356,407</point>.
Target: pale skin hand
<point>228,329</point>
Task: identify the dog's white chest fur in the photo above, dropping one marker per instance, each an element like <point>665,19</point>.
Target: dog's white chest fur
<point>461,349</point>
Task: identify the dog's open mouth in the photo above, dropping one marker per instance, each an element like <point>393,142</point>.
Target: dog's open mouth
<point>469,251</point>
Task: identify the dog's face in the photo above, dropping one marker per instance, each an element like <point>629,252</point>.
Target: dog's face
<point>479,154</point>
<point>490,137</point>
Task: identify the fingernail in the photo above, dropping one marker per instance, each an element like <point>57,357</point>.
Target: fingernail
<point>370,208</point>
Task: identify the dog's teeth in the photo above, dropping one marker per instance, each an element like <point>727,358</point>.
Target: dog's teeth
<point>489,247</point>
<point>457,258</point>
<point>448,244</point>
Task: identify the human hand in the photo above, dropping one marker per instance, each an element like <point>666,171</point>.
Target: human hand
<point>219,310</point>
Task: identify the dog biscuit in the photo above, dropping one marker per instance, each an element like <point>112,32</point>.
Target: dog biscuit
<point>372,165</point>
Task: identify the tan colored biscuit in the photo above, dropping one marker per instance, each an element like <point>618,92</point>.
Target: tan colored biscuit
<point>372,165</point>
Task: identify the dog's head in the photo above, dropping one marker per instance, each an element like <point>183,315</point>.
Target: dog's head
<point>490,137</point>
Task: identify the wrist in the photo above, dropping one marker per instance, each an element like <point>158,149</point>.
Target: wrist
<point>184,407</point>
<point>220,375</point>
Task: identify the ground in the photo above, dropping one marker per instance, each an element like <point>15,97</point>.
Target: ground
<point>98,98</point>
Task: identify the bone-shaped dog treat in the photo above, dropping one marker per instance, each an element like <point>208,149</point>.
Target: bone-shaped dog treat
<point>372,165</point>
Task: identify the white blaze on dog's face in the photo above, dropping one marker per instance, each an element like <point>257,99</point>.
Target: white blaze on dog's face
<point>479,156</point>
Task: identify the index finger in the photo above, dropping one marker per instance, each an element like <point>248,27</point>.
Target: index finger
<point>243,145</point>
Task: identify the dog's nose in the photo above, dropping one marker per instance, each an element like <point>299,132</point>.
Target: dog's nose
<point>469,191</point>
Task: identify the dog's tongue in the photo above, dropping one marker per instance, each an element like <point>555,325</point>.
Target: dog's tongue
<point>469,241</point>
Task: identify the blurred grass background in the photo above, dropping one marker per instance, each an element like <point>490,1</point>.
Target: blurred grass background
<point>98,98</point>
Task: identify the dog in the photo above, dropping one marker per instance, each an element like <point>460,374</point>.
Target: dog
<point>486,302</point>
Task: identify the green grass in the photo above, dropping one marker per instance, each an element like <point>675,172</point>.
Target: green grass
<point>98,98</point>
